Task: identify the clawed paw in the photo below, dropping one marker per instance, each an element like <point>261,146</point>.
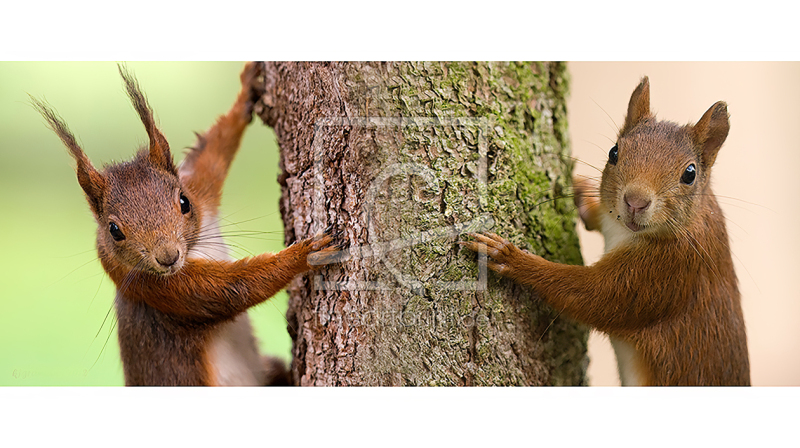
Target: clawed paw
<point>326,248</point>
<point>252,70</point>
<point>320,241</point>
<point>501,252</point>
<point>252,85</point>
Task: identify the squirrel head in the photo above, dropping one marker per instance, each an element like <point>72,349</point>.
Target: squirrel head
<point>146,218</point>
<point>658,172</point>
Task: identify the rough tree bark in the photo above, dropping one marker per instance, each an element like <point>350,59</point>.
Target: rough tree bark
<point>400,158</point>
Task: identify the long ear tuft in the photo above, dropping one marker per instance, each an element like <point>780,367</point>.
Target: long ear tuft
<point>711,131</point>
<point>638,106</point>
<point>159,148</point>
<point>94,184</point>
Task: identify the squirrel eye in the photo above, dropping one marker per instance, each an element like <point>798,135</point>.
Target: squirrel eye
<point>185,206</point>
<point>117,234</point>
<point>613,155</point>
<point>689,175</point>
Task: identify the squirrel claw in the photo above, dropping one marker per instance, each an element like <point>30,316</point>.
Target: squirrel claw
<point>252,86</point>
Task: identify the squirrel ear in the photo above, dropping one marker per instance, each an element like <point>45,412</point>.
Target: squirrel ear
<point>94,184</point>
<point>711,131</point>
<point>159,148</point>
<point>638,106</point>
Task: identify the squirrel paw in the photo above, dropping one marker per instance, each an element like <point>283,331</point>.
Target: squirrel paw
<point>586,198</point>
<point>252,86</point>
<point>327,249</point>
<point>502,254</point>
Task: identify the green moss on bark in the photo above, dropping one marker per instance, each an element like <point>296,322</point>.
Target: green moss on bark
<point>522,106</point>
<point>427,146</point>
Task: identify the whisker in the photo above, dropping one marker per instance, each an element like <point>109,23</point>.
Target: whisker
<point>607,115</point>
<point>585,176</point>
<point>97,291</point>
<point>558,314</point>
<point>98,331</point>
<point>253,237</point>
<point>736,224</point>
<point>746,202</point>
<point>73,255</point>
<point>695,244</point>
<point>725,197</point>
<point>72,272</point>
<point>282,314</point>
<point>104,321</point>
<point>211,245</point>
<point>244,221</point>
<point>225,222</point>
<point>586,163</point>
<point>603,149</point>
<point>113,326</point>
<point>746,270</point>
<point>569,196</point>
<point>128,278</point>
<point>208,257</point>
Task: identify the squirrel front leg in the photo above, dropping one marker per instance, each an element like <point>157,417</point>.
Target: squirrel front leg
<point>206,166</point>
<point>587,200</point>
<point>606,295</point>
<point>214,290</point>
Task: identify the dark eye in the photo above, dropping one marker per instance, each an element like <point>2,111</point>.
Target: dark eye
<point>117,234</point>
<point>612,155</point>
<point>185,206</point>
<point>689,175</point>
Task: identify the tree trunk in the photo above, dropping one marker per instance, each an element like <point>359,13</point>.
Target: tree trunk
<point>401,159</point>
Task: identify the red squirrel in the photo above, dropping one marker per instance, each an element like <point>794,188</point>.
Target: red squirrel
<point>181,301</point>
<point>665,290</point>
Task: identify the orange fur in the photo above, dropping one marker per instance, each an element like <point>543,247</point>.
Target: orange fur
<point>212,290</point>
<point>666,287</point>
<point>180,301</point>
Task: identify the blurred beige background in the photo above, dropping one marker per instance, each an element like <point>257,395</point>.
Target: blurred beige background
<point>755,179</point>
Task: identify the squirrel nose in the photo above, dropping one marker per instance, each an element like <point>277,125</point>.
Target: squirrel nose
<point>636,204</point>
<point>168,257</point>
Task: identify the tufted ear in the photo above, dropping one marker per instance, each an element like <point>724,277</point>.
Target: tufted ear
<point>160,155</point>
<point>638,106</point>
<point>711,131</point>
<point>94,183</point>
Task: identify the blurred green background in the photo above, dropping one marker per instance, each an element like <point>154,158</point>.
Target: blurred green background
<point>54,295</point>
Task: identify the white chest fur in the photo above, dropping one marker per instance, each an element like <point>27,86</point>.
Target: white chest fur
<point>232,350</point>
<point>234,356</point>
<point>628,358</point>
<point>628,362</point>
<point>614,233</point>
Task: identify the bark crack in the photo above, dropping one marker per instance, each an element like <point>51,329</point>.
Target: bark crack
<point>436,335</point>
